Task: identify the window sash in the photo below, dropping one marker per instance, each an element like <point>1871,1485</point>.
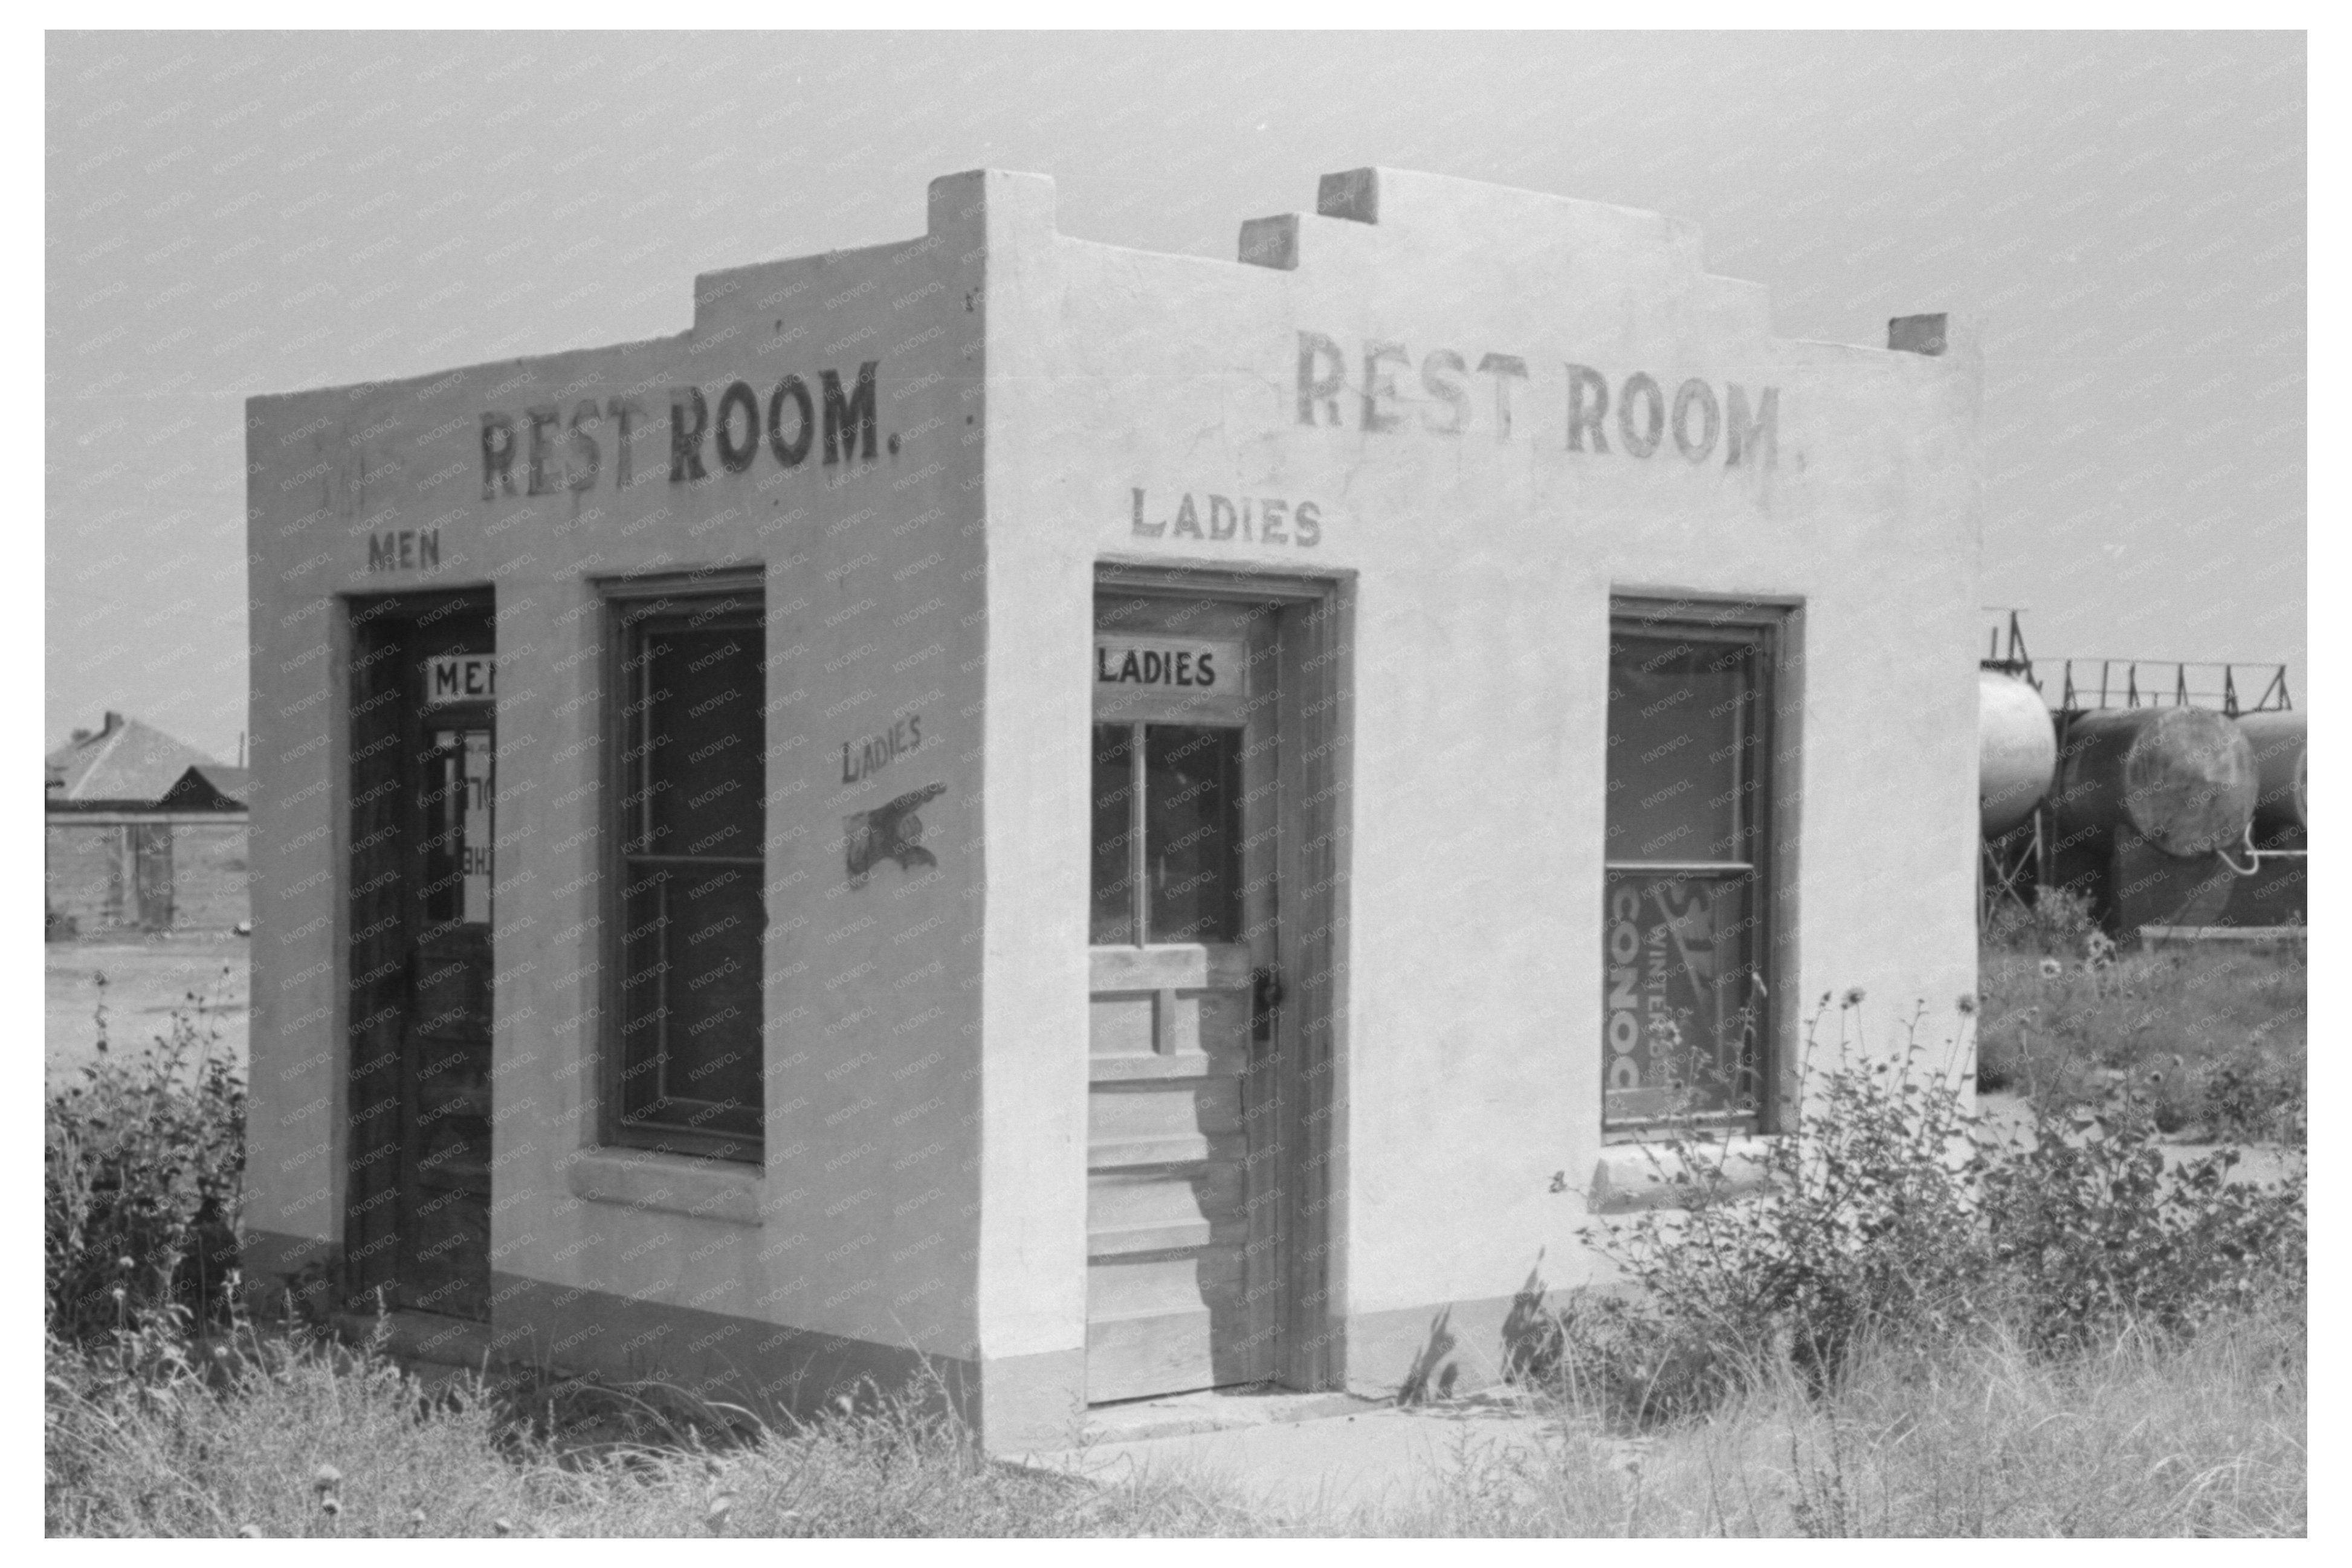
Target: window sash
<point>1721,980</point>
<point>658,967</point>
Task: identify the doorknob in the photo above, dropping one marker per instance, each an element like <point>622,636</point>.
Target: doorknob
<point>1266,995</point>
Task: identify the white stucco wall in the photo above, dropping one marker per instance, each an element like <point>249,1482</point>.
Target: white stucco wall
<point>1484,561</point>
<point>873,592</point>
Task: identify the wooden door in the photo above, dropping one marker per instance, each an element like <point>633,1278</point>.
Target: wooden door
<point>1185,1265</point>
<point>416,1229</point>
<point>151,874</point>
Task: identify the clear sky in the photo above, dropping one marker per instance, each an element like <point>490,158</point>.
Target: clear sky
<point>235,213</point>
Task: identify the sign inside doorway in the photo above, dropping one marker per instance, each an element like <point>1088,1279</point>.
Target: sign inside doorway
<point>1172,664</point>
<point>461,678</point>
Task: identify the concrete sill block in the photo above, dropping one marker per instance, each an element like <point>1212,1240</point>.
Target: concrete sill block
<point>666,1184</point>
<point>1634,1176</point>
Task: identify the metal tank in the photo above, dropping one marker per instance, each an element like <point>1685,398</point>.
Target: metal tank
<point>2282,801</point>
<point>2184,777</point>
<point>2017,751</point>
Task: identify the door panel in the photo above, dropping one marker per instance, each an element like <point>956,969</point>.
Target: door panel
<point>1182,1288</point>
<point>1168,1218</point>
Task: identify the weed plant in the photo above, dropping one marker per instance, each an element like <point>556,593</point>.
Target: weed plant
<point>144,1154</point>
<point>2211,1039</point>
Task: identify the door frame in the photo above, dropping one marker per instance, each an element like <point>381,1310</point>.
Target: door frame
<point>377,636</point>
<point>1314,725</point>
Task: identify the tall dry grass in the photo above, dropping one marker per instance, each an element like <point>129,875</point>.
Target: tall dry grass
<point>285,1440</point>
<point>2140,1436</point>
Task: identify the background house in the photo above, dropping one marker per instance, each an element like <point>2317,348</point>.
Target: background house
<point>144,833</point>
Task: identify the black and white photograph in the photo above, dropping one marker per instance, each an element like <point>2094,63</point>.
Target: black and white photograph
<point>1224,780</point>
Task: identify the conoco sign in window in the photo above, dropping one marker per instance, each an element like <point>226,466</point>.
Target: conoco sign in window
<point>1685,891</point>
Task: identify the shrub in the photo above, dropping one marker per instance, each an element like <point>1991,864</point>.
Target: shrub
<point>1889,1219</point>
<point>2059,921</point>
<point>2094,1234</point>
<point>144,1155</point>
<point>1612,1357</point>
<point>2143,1435</point>
<point>1863,1227</point>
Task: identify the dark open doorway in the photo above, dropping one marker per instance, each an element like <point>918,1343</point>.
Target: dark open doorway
<point>416,1222</point>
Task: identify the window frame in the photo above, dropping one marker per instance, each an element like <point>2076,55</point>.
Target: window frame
<point>1770,626</point>
<point>627,603</point>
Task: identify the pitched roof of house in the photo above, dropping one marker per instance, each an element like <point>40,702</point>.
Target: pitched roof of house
<point>123,763</point>
<point>210,786</point>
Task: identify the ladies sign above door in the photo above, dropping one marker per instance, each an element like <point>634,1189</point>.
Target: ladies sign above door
<point>1203,678</point>
<point>1203,664</point>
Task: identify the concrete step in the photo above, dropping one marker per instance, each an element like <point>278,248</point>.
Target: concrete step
<point>1216,1410</point>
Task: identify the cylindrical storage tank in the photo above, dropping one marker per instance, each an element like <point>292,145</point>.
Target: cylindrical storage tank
<point>2183,777</point>
<point>2017,751</point>
<point>2282,801</point>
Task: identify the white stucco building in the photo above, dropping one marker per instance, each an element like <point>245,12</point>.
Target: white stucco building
<point>1115,823</point>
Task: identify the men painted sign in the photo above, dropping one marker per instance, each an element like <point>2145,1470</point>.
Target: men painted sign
<point>461,678</point>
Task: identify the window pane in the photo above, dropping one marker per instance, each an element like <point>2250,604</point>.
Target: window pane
<point>1682,749</point>
<point>690,987</point>
<point>444,829</point>
<point>1681,1006</point>
<point>701,739</point>
<point>1114,881</point>
<point>1191,832</point>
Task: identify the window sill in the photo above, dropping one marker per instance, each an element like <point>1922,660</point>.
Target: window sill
<point>1633,1176</point>
<point>667,1184</point>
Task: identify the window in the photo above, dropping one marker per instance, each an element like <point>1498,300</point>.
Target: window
<point>458,828</point>
<point>1687,888</point>
<point>683,1061</point>
<point>1167,834</point>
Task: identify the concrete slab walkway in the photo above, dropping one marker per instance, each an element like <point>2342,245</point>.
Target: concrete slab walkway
<point>1336,1460</point>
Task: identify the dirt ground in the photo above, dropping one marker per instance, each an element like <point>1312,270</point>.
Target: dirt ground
<point>144,981</point>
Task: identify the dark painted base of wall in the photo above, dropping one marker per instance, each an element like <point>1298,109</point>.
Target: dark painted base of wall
<point>1436,1352</point>
<point>774,1371</point>
<point>1023,1404</point>
<point>779,1373</point>
<point>1015,1404</point>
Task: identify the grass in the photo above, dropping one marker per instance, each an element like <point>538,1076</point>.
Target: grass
<point>2139,1437</point>
<point>2214,1037</point>
<point>1978,1431</point>
<point>2142,1436</point>
<point>241,1453</point>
